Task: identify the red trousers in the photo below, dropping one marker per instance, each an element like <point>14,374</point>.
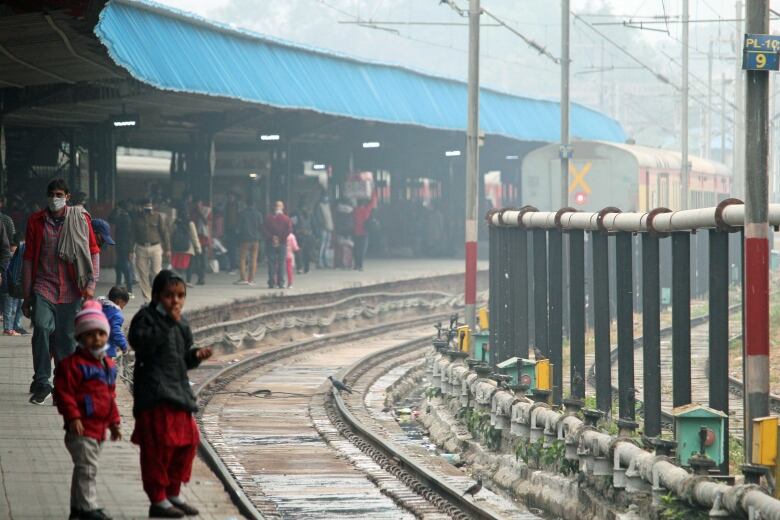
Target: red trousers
<point>168,439</point>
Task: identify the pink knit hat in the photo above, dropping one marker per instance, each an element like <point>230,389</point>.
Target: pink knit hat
<point>91,317</point>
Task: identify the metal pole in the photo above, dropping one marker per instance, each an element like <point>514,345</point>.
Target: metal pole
<point>601,321</point>
<point>723,119</point>
<point>577,312</point>
<point>540,291</point>
<point>493,292</point>
<point>555,336</point>
<point>684,180</point>
<point>719,331</point>
<point>472,165</point>
<point>521,294</point>
<point>681,318</point>
<point>651,334</point>
<point>738,160</point>
<point>625,326</point>
<point>564,103</point>
<point>708,113</point>
<point>756,304</point>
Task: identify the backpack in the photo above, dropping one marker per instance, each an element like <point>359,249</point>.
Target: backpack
<point>181,240</point>
<point>13,277</point>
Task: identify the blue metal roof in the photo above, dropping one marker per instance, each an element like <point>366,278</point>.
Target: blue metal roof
<point>171,50</point>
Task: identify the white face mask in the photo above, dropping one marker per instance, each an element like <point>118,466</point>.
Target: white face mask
<point>56,203</point>
<point>99,353</point>
<point>279,211</point>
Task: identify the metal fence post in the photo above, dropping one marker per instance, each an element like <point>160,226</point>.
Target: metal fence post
<point>492,289</point>
<point>577,313</point>
<point>520,284</point>
<point>555,336</point>
<point>601,320</point>
<point>681,318</point>
<point>625,325</point>
<point>719,331</point>
<point>540,291</point>
<point>498,351</point>
<point>651,334</point>
<point>507,326</point>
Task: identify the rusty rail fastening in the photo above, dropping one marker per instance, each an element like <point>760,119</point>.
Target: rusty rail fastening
<point>447,499</point>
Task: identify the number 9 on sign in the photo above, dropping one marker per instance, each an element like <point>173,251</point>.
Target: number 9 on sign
<point>760,60</point>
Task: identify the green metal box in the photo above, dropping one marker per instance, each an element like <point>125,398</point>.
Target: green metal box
<point>481,345</point>
<point>522,371</point>
<point>688,423</point>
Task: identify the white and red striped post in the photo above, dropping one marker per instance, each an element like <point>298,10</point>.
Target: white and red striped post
<point>756,261</point>
<point>472,166</point>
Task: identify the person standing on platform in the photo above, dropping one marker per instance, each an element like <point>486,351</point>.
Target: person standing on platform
<point>163,402</point>
<point>276,228</point>
<point>360,216</point>
<point>323,227</point>
<point>61,267</point>
<point>304,236</point>
<point>202,217</point>
<point>123,236</point>
<point>151,245</point>
<point>250,233</point>
<point>232,233</point>
<point>184,240</point>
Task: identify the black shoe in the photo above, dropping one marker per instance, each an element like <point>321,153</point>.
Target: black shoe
<point>165,512</point>
<point>201,282</point>
<point>40,396</point>
<point>33,388</point>
<point>95,514</point>
<point>185,508</point>
<point>74,514</point>
<point>22,331</point>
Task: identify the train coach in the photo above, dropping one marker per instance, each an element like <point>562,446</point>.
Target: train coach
<point>627,176</point>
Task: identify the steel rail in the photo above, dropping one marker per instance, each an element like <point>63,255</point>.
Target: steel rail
<point>728,214</point>
<point>429,478</point>
<point>229,372</point>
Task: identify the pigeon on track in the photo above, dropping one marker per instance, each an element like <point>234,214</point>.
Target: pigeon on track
<point>475,488</point>
<point>338,385</point>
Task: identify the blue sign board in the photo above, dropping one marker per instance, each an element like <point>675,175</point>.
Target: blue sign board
<point>760,52</point>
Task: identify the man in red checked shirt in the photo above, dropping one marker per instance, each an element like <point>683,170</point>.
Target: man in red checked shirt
<point>61,267</point>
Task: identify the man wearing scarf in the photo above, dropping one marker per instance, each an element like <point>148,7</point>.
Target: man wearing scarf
<point>61,267</point>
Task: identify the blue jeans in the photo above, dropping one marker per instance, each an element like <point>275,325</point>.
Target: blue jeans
<point>48,318</point>
<point>12,312</point>
<point>124,270</point>
<point>277,263</point>
<point>322,259</point>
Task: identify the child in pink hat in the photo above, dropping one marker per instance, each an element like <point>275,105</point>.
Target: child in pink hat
<point>84,389</point>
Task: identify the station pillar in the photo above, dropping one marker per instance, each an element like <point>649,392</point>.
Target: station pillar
<point>102,164</point>
<point>280,172</point>
<point>200,166</point>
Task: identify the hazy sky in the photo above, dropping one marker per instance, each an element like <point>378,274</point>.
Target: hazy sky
<point>623,89</point>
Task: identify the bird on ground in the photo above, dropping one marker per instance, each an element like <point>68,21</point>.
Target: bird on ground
<point>538,354</point>
<point>475,488</point>
<point>338,385</point>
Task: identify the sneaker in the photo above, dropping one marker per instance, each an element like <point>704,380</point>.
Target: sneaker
<point>95,514</point>
<point>251,284</point>
<point>10,332</point>
<point>241,282</point>
<point>22,331</point>
<point>185,508</point>
<point>289,286</point>
<point>165,512</point>
<point>40,396</point>
<point>132,296</point>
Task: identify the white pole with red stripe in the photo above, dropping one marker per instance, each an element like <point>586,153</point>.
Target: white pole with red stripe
<point>756,289</point>
<point>472,165</point>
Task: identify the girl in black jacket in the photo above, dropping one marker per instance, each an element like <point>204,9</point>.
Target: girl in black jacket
<point>164,403</point>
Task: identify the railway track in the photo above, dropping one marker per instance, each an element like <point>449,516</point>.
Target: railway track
<point>287,456</point>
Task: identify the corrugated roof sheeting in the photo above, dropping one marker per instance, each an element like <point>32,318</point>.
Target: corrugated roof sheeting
<point>171,51</point>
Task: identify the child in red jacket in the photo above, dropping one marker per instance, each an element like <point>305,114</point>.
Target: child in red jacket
<point>85,395</point>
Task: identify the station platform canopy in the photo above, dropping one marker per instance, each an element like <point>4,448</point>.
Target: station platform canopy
<point>179,64</point>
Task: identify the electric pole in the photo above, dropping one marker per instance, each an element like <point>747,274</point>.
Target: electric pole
<point>708,117</point>
<point>756,265</point>
<point>723,118</point>
<point>738,159</point>
<point>685,179</point>
<point>565,103</point>
<point>472,165</point>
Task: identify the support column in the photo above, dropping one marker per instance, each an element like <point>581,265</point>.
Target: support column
<point>520,285</point>
<point>719,331</point>
<point>493,292</point>
<point>651,334</point>
<point>577,312</point>
<point>625,326</point>
<point>541,340</point>
<point>555,335</point>
<point>201,165</point>
<point>601,321</point>
<point>507,319</point>
<point>681,318</point>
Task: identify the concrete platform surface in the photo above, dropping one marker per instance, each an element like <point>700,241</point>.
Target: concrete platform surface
<point>35,467</point>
